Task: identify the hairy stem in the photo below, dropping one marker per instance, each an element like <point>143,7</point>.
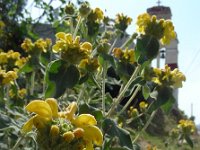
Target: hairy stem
<point>119,98</point>
<point>145,126</point>
<point>130,100</point>
<point>77,27</point>
<point>103,87</point>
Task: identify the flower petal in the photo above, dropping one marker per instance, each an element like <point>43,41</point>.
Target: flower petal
<point>86,46</point>
<point>54,106</point>
<point>71,110</point>
<point>40,107</point>
<point>89,145</point>
<point>94,134</point>
<point>40,122</point>
<point>27,127</point>
<point>84,119</point>
<point>60,35</point>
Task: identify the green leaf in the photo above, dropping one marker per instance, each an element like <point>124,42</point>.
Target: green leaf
<point>85,108</point>
<point>111,128</point>
<point>105,57</point>
<point>5,121</point>
<point>59,77</point>
<point>27,68</point>
<point>162,96</point>
<point>147,47</point>
<point>145,91</point>
<point>129,91</point>
<point>167,107</point>
<point>189,141</point>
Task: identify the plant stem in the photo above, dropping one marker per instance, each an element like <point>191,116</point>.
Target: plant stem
<point>71,25</point>
<point>127,41</point>
<point>119,98</point>
<point>130,100</point>
<point>103,87</point>
<point>145,126</point>
<point>77,27</point>
<point>111,48</point>
<point>18,142</point>
<point>32,83</point>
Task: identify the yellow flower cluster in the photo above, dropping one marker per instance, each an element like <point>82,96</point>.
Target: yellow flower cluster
<point>7,77</point>
<point>143,105</point>
<point>122,21</point>
<point>167,77</point>
<point>89,65</point>
<point>71,49</point>
<point>74,131</point>
<point>37,47</point>
<point>21,93</point>
<point>133,112</point>
<point>186,126</point>
<point>161,29</point>
<point>126,55</point>
<point>11,60</point>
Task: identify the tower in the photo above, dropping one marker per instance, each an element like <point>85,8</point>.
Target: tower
<point>171,50</point>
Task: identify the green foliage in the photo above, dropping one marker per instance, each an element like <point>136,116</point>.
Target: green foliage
<point>112,129</point>
<point>59,77</point>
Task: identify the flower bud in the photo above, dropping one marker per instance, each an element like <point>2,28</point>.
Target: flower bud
<point>79,132</point>
<point>68,136</point>
<point>84,10</point>
<point>69,9</point>
<point>54,131</point>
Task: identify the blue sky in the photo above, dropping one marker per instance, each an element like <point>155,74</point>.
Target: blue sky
<point>186,19</point>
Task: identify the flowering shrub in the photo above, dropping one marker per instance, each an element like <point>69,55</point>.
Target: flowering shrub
<point>63,84</point>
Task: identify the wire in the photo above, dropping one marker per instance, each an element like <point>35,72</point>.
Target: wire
<point>193,60</point>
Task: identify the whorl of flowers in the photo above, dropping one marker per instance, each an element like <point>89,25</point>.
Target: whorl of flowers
<point>186,126</point>
<point>122,22</point>
<point>7,77</point>
<point>96,15</point>
<point>11,60</point>
<point>71,49</point>
<point>64,129</point>
<point>161,29</point>
<point>168,77</point>
<point>127,55</point>
<point>37,47</point>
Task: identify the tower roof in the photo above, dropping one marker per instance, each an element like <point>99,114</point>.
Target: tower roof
<point>160,11</point>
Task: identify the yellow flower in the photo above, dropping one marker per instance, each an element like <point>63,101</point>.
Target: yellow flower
<point>44,110</point>
<point>186,126</point>
<point>3,58</point>
<point>68,136</point>
<point>8,77</point>
<point>37,47</point>
<point>168,77</point>
<point>122,21</point>
<point>99,14</point>
<point>169,32</point>
<point>92,134</point>
<point>162,29</point>
<point>71,49</point>
<point>127,55</point>
<point>143,105</point>
<point>27,45</point>
<point>133,112</point>
<point>177,78</point>
<point>142,22</point>
<point>54,131</point>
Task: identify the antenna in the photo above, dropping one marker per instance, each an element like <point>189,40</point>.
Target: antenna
<point>158,2</point>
